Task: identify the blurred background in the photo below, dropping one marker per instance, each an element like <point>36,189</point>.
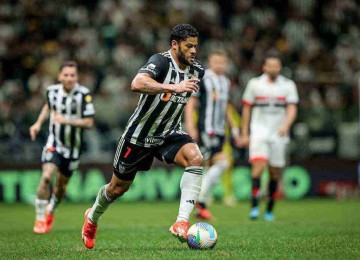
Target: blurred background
<point>111,39</point>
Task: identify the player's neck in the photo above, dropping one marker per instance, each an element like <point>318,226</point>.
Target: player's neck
<point>177,61</point>
<point>68,90</point>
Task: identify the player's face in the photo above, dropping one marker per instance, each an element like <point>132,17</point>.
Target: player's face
<point>272,67</point>
<point>68,76</point>
<point>218,63</point>
<point>186,50</point>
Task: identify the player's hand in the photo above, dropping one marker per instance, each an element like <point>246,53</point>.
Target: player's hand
<point>244,141</point>
<point>34,130</point>
<point>59,119</point>
<point>238,141</point>
<point>284,130</point>
<point>188,85</point>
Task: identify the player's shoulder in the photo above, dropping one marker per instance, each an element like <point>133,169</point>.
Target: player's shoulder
<point>54,87</point>
<point>199,67</point>
<point>254,80</point>
<point>161,56</point>
<point>83,90</point>
<point>286,80</point>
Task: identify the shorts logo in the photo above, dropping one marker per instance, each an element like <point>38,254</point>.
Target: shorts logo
<point>48,156</point>
<point>121,169</point>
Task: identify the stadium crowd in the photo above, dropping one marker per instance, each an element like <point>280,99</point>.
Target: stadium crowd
<point>111,39</point>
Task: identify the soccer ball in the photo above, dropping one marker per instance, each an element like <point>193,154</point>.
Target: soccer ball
<point>201,236</point>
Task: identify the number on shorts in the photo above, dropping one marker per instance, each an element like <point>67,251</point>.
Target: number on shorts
<point>128,150</point>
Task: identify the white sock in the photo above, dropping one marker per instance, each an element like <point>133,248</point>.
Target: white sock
<point>190,186</point>
<point>210,179</point>
<point>40,208</point>
<point>101,204</point>
<point>54,202</point>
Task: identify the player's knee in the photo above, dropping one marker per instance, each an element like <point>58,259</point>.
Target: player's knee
<point>45,180</point>
<point>195,160</point>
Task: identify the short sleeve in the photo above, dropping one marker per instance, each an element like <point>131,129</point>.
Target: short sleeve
<point>88,109</point>
<point>48,98</point>
<point>293,97</point>
<point>156,66</point>
<point>249,95</point>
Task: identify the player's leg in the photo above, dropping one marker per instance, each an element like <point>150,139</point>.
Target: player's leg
<point>128,160</point>
<point>219,164</point>
<point>189,156</point>
<point>277,162</point>
<point>275,173</point>
<point>258,159</point>
<point>62,179</point>
<point>42,198</point>
<point>183,151</point>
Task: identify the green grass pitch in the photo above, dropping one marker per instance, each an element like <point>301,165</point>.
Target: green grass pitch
<point>307,229</point>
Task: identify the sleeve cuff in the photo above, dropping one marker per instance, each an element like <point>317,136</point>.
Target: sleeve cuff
<point>246,103</point>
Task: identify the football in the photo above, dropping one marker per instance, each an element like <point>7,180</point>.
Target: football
<point>202,236</point>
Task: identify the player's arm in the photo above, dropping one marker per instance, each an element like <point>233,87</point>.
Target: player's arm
<point>291,113</point>
<point>235,132</point>
<point>189,118</point>
<point>148,79</point>
<point>248,100</point>
<point>85,123</point>
<point>245,122</point>
<point>144,83</point>
<point>35,128</point>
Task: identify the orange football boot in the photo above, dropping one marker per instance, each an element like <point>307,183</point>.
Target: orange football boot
<point>40,227</point>
<point>179,229</point>
<point>88,232</point>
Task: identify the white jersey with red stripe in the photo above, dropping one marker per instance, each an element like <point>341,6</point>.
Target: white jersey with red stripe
<point>269,101</point>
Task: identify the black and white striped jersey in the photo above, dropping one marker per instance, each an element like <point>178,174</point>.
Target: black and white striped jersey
<point>66,139</point>
<point>159,115</point>
<point>213,100</point>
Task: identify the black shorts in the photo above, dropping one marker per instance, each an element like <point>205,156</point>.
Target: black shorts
<point>130,158</point>
<point>66,166</point>
<point>210,145</point>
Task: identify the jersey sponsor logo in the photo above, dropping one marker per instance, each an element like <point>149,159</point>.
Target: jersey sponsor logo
<point>153,140</point>
<point>174,98</point>
<point>165,96</point>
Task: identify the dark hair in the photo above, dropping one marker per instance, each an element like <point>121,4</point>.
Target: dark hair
<point>182,31</point>
<point>69,63</point>
<point>272,55</point>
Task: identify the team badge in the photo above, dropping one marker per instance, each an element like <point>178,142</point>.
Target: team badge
<point>88,98</point>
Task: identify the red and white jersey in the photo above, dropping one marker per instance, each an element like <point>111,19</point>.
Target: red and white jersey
<point>268,101</point>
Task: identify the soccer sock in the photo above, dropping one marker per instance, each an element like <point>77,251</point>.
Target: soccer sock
<point>40,208</point>
<point>210,179</point>
<point>255,193</point>
<point>101,204</point>
<point>272,192</point>
<point>190,186</point>
<point>54,202</point>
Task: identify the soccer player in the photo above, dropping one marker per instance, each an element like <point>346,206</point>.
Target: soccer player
<point>270,100</point>
<point>71,110</point>
<point>212,103</point>
<point>166,83</point>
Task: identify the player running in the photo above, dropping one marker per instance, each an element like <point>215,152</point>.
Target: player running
<point>212,103</point>
<point>271,101</point>
<point>71,110</point>
<point>166,83</point>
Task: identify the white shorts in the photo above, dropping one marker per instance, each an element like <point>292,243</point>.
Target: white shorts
<point>271,151</point>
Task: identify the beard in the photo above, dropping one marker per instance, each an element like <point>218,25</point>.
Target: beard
<point>182,58</point>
